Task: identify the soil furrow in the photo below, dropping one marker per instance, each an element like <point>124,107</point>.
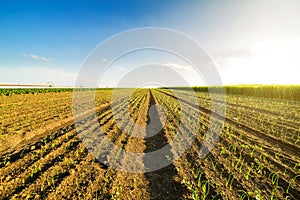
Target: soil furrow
<point>162,183</point>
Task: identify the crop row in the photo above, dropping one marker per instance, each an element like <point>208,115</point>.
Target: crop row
<point>273,122</point>
<point>60,161</point>
<point>241,162</point>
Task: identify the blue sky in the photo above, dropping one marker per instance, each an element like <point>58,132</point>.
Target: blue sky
<point>66,30</point>
<point>49,40</point>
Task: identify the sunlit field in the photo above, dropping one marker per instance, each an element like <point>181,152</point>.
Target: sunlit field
<point>256,156</point>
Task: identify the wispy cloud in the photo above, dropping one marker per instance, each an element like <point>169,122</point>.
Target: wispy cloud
<point>177,66</point>
<point>121,69</point>
<point>187,72</point>
<point>37,57</point>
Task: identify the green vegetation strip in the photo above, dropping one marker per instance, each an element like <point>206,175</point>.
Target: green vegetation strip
<point>12,91</point>
<point>287,92</point>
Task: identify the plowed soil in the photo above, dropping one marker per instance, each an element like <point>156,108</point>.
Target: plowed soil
<point>51,161</point>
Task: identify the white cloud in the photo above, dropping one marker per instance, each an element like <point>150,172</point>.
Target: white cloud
<point>177,66</point>
<point>37,57</point>
<point>104,59</point>
<point>122,69</point>
<point>188,72</point>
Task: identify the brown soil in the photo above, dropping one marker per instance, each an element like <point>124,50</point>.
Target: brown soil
<point>52,162</point>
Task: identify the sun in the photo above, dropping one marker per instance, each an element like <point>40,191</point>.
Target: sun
<point>267,63</point>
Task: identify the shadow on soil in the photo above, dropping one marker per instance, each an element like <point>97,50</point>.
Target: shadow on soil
<point>161,182</point>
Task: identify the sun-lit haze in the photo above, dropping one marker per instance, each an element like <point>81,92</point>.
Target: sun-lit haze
<point>265,63</point>
<point>251,41</point>
<point>153,62</point>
